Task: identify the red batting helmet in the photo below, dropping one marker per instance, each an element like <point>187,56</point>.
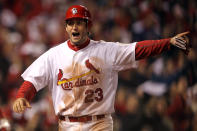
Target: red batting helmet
<point>78,11</point>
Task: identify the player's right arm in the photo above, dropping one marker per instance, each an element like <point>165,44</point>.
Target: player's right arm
<point>36,77</point>
<point>24,95</point>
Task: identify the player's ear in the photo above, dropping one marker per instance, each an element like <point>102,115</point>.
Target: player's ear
<point>88,30</point>
<point>66,27</point>
<point>65,24</point>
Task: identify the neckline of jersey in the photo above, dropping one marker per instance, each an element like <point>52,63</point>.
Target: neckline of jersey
<point>76,48</point>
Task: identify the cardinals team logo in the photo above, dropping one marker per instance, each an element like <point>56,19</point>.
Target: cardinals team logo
<point>74,11</point>
<point>67,84</point>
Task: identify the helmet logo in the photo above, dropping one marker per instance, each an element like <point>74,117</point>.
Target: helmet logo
<point>74,11</point>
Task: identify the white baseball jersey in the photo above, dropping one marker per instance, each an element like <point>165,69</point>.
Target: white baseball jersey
<point>82,82</point>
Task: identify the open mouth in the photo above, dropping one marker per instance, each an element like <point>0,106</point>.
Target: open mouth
<point>75,34</point>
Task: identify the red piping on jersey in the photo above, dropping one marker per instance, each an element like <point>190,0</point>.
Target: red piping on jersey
<point>27,90</point>
<point>76,48</point>
<point>144,49</point>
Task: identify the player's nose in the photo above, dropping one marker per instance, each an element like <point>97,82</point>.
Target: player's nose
<point>75,26</point>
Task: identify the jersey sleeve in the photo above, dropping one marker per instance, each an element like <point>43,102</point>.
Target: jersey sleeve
<point>123,56</point>
<point>38,73</point>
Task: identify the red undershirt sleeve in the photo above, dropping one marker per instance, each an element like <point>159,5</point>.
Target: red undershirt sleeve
<point>27,90</point>
<point>147,48</point>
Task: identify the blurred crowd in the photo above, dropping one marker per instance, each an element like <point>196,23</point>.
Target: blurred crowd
<point>160,95</point>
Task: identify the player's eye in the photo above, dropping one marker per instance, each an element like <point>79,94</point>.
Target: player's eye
<point>79,22</point>
<point>70,22</point>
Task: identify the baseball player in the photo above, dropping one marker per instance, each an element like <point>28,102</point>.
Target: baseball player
<point>82,74</point>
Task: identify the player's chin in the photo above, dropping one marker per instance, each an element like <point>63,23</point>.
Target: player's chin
<point>76,38</point>
<point>76,41</point>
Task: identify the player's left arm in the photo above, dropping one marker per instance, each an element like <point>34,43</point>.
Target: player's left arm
<point>147,48</point>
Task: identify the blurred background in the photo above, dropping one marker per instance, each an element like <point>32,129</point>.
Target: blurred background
<point>160,95</point>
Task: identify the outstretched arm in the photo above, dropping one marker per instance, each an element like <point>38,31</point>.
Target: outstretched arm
<point>24,95</point>
<point>149,48</point>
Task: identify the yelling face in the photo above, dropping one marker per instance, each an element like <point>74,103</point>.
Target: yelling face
<point>77,31</point>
